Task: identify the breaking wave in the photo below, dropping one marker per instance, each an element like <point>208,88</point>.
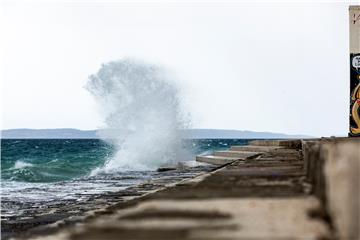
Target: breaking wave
<point>142,115</point>
<point>20,164</point>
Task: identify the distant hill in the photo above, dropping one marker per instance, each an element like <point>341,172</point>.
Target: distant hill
<point>48,133</point>
<point>222,133</point>
<point>66,133</point>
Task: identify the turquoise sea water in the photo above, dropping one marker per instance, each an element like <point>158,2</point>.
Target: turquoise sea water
<point>51,160</point>
<point>54,160</point>
<point>42,173</point>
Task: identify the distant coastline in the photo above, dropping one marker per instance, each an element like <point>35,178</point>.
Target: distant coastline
<point>71,133</point>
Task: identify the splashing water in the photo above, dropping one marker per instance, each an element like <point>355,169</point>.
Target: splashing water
<point>20,164</point>
<point>142,114</point>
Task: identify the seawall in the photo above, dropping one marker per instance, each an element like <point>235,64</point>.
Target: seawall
<point>286,189</point>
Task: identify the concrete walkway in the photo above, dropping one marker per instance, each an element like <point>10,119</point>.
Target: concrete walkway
<point>267,190</point>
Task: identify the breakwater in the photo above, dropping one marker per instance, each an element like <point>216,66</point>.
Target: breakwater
<point>294,189</point>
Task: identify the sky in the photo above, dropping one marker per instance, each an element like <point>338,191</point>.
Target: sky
<point>259,66</point>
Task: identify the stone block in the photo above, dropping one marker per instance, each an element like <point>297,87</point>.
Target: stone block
<point>342,186</point>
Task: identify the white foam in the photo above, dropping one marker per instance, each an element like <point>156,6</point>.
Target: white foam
<point>20,164</point>
<point>142,114</point>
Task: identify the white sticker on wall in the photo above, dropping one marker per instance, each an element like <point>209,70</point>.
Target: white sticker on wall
<point>356,61</point>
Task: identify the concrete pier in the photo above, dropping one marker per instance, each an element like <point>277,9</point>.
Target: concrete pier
<point>268,190</point>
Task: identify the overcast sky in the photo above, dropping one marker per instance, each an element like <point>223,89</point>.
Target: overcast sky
<point>280,67</point>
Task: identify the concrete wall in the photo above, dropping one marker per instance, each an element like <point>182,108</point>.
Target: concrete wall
<point>333,167</point>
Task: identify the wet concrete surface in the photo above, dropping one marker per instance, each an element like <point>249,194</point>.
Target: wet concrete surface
<point>271,196</point>
<point>70,211</point>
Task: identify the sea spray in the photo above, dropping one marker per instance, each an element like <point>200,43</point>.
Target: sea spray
<point>142,114</point>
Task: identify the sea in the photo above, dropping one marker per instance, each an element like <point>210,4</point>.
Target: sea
<point>38,173</point>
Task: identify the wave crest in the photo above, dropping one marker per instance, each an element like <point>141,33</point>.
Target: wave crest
<point>20,164</point>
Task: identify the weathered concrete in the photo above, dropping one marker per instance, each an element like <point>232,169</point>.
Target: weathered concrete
<point>251,218</point>
<point>216,160</point>
<point>280,143</point>
<point>251,148</point>
<point>236,154</point>
<point>310,192</point>
<point>226,157</point>
<point>342,186</point>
